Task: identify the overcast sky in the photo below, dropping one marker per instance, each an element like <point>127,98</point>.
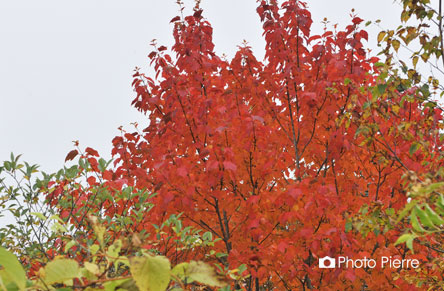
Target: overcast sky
<point>66,66</point>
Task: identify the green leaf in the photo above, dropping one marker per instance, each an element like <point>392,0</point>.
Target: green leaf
<point>413,148</point>
<point>361,128</point>
<point>57,227</point>
<point>12,268</point>
<point>151,273</point>
<point>381,88</point>
<point>423,217</point>
<point>60,270</point>
<point>425,90</point>
<point>221,255</point>
<point>348,226</point>
<point>116,284</point>
<point>57,218</point>
<point>114,249</point>
<point>431,188</point>
<point>94,249</point>
<point>440,202</point>
<point>431,105</point>
<point>403,238</point>
<point>409,244</point>
<point>38,215</point>
<point>242,268</point>
<point>390,211</point>
<point>101,165</point>
<point>415,223</point>
<point>364,209</point>
<point>208,236</point>
<point>70,245</point>
<point>408,239</point>
<point>406,210</point>
<point>180,270</point>
<point>434,217</point>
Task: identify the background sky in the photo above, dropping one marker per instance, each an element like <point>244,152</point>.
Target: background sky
<point>66,66</point>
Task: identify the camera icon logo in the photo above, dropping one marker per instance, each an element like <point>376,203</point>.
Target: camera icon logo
<point>327,263</point>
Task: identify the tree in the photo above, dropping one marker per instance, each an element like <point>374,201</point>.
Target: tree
<point>286,160</point>
<point>78,250</point>
<point>422,39</point>
<point>309,153</point>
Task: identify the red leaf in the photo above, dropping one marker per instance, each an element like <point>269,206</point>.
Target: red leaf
<point>121,182</point>
<point>91,180</point>
<point>168,197</point>
<point>330,231</point>
<point>198,13</point>
<point>253,224</point>
<point>253,199</point>
<point>107,175</point>
<point>350,274</point>
<point>364,34</point>
<point>213,165</point>
<point>295,193</point>
<point>374,60</point>
<point>71,155</point>
<point>258,118</point>
<point>182,171</point>
<point>230,166</point>
<point>162,48</point>
<point>158,186</point>
<point>91,152</point>
<point>282,246</point>
<point>152,55</point>
<point>357,20</point>
<point>285,217</point>
<point>175,19</point>
<point>306,232</point>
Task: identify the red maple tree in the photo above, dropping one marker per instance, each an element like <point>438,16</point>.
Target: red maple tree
<point>286,160</point>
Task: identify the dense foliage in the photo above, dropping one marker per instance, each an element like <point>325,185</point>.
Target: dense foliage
<point>318,150</point>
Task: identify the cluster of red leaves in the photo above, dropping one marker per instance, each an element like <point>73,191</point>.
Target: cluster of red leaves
<point>273,157</point>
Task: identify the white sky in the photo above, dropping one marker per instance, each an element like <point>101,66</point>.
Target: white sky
<point>66,66</point>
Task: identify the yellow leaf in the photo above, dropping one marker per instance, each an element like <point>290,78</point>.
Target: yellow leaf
<point>60,270</point>
<point>415,61</point>
<point>200,272</point>
<point>12,269</point>
<point>381,36</point>
<point>151,273</point>
<point>92,268</point>
<point>396,44</point>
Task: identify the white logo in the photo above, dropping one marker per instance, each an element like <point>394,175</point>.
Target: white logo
<point>327,263</point>
<point>391,262</point>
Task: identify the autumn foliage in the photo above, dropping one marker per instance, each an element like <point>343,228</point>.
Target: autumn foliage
<point>308,153</point>
<point>276,157</point>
